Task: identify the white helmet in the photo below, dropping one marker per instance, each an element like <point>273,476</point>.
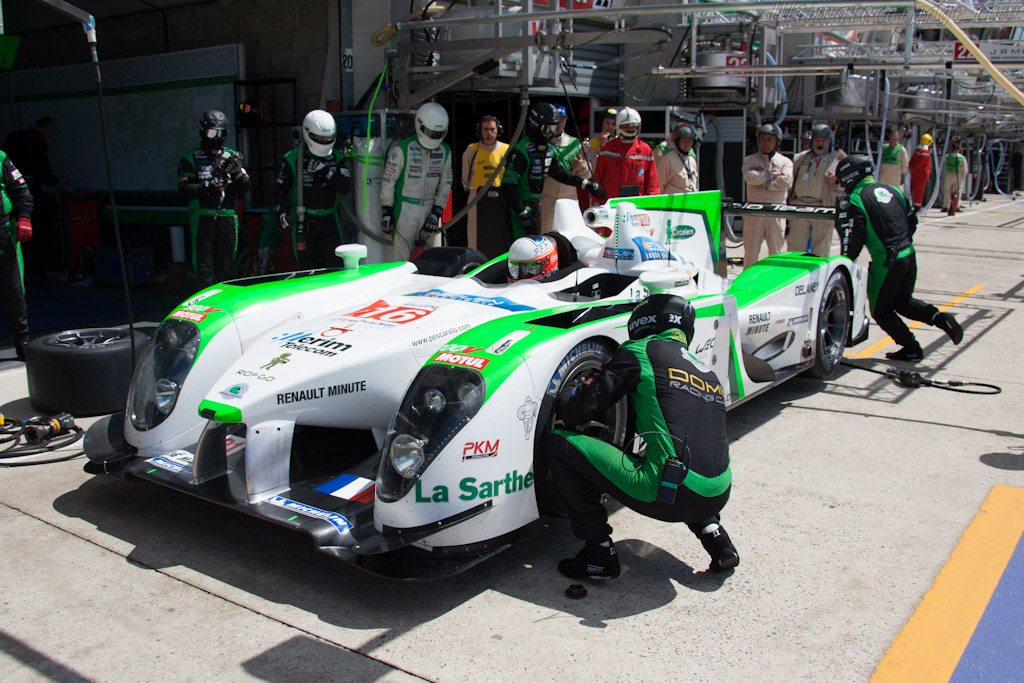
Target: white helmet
<point>431,125</point>
<point>531,258</point>
<point>627,118</point>
<point>319,131</point>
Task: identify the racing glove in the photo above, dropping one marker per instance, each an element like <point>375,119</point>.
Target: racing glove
<point>24,229</point>
<point>528,218</point>
<point>595,189</point>
<point>433,223</point>
<point>386,219</point>
<point>233,168</point>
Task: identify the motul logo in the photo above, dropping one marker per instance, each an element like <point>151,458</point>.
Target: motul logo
<point>464,361</point>
<point>480,449</point>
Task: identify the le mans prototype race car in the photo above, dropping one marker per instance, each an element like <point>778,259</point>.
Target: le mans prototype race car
<point>392,415</point>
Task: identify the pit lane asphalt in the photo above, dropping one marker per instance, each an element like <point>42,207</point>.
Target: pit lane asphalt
<point>852,499</point>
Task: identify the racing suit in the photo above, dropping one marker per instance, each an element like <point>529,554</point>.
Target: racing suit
<point>758,170</point>
<point>212,181</point>
<point>884,221</point>
<point>566,151</point>
<point>677,172</point>
<point>478,163</point>
<point>523,183</point>
<point>920,172</point>
<point>895,163</point>
<point>16,203</point>
<point>323,179</point>
<point>953,177</point>
<point>811,188</point>
<point>680,410</point>
<point>619,164</point>
<point>415,181</point>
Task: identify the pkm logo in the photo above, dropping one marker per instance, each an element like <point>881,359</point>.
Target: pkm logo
<point>474,450</point>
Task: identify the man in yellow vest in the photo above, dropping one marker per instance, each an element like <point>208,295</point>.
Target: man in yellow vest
<point>479,162</point>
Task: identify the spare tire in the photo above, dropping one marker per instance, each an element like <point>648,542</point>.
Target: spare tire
<point>83,372</point>
<point>449,261</point>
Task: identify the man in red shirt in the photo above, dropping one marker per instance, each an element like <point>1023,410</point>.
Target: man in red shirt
<point>625,164</point>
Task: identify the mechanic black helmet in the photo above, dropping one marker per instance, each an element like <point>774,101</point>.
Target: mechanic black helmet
<point>852,169</point>
<point>542,122</point>
<point>685,130</point>
<point>213,129</point>
<point>660,312</point>
<point>821,130</point>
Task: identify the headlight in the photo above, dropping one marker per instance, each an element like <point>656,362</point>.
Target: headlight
<point>160,373</point>
<point>440,402</point>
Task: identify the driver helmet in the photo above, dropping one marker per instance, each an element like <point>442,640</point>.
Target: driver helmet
<point>431,125</point>
<point>531,258</point>
<point>627,124</point>
<point>542,122</point>
<point>213,129</point>
<point>660,312</point>
<point>852,169</point>
<point>319,131</point>
<point>926,139</point>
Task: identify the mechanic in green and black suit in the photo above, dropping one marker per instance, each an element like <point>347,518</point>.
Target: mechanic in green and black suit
<point>680,413</point>
<point>529,163</point>
<point>15,228</point>
<point>211,178</point>
<point>881,218</point>
<point>324,178</point>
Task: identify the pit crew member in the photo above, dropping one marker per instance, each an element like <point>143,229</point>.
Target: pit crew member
<point>680,412</point>
<point>768,175</point>
<point>814,184</point>
<point>884,222</point>
<point>954,175</point>
<point>677,167</point>
<point>625,164</point>
<point>416,183</point>
<point>324,178</point>
<point>15,228</point>
<point>920,169</point>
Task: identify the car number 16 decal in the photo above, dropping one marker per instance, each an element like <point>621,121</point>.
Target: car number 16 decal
<point>384,312</point>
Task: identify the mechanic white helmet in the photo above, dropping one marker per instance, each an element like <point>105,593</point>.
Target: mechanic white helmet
<point>431,125</point>
<point>627,124</point>
<point>531,258</point>
<point>319,131</point>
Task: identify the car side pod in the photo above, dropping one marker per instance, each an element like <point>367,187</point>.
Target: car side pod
<point>105,447</point>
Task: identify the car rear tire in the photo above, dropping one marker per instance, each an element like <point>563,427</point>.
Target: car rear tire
<point>83,372</point>
<point>449,261</point>
<point>615,426</point>
<point>833,321</point>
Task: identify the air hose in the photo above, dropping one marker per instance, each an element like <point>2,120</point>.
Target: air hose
<point>913,379</point>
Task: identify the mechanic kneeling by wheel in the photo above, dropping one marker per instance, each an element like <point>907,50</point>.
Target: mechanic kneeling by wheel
<point>680,413</point>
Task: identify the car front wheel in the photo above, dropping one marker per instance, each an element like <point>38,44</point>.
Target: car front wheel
<point>833,326</point>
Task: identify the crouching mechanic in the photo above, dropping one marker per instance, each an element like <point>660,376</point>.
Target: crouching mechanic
<point>529,163</point>
<point>324,177</point>
<point>680,413</point>
<point>882,219</point>
<point>416,183</point>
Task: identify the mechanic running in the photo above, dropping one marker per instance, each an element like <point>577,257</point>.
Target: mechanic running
<point>529,163</point>
<point>416,183</point>
<point>324,178</point>
<point>680,413</point>
<point>884,221</point>
<point>211,178</point>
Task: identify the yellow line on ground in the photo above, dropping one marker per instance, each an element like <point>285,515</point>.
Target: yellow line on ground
<point>931,644</point>
<point>882,343</point>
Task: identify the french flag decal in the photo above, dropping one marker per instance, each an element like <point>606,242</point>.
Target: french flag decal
<point>349,487</point>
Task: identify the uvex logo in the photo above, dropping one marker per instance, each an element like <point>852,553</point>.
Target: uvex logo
<point>474,450</point>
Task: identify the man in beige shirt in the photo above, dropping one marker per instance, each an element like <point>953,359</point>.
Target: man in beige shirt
<point>677,166</point>
<point>768,176</point>
<point>566,150</point>
<point>814,184</point>
<point>895,161</point>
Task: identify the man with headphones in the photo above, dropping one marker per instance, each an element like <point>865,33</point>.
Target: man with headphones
<point>684,475</point>
<point>479,162</point>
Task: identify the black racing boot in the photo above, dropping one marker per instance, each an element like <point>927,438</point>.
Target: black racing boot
<point>911,354</point>
<point>948,324</point>
<point>723,554</point>
<point>597,560</point>
<point>20,342</point>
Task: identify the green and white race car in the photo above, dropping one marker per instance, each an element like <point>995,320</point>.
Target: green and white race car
<point>392,415</point>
